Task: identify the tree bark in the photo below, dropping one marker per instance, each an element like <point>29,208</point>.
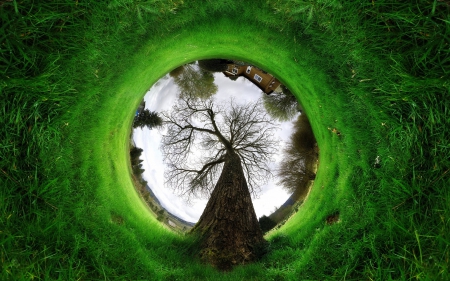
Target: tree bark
<point>228,228</point>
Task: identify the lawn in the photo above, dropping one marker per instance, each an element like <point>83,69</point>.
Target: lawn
<point>372,77</point>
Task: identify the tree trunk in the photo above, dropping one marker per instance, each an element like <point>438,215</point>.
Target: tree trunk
<point>228,228</point>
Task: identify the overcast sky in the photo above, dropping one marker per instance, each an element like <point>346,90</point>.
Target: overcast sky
<point>162,96</point>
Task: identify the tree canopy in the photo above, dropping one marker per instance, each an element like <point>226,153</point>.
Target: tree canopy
<point>194,80</point>
<point>281,106</point>
<point>299,156</point>
<point>215,130</point>
<point>214,65</point>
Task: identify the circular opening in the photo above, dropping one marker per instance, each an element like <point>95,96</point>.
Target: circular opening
<point>229,84</point>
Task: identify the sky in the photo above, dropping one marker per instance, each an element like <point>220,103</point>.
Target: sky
<point>161,97</point>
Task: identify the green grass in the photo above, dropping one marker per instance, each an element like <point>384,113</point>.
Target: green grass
<point>72,74</point>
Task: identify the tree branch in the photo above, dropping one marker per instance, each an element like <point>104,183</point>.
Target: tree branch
<point>194,125</point>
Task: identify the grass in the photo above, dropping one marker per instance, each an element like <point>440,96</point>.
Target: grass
<point>72,74</point>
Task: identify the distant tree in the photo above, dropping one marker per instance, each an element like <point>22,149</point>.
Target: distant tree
<point>137,170</point>
<point>239,62</point>
<point>281,106</point>
<point>266,223</point>
<point>194,80</point>
<point>135,161</point>
<point>161,215</point>
<point>236,144</point>
<point>299,156</point>
<point>149,119</point>
<point>135,152</point>
<point>177,71</point>
<point>214,65</point>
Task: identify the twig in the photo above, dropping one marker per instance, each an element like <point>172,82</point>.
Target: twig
<point>9,176</point>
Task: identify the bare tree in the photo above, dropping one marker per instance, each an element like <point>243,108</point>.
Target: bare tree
<point>200,125</point>
<point>235,145</point>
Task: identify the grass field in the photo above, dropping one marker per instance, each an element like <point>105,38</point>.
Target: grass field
<point>373,78</point>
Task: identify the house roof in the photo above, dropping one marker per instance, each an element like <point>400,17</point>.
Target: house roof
<point>265,81</point>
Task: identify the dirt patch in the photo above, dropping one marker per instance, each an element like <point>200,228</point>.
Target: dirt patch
<point>115,218</point>
<point>333,218</point>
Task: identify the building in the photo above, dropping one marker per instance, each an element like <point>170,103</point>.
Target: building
<point>265,81</point>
